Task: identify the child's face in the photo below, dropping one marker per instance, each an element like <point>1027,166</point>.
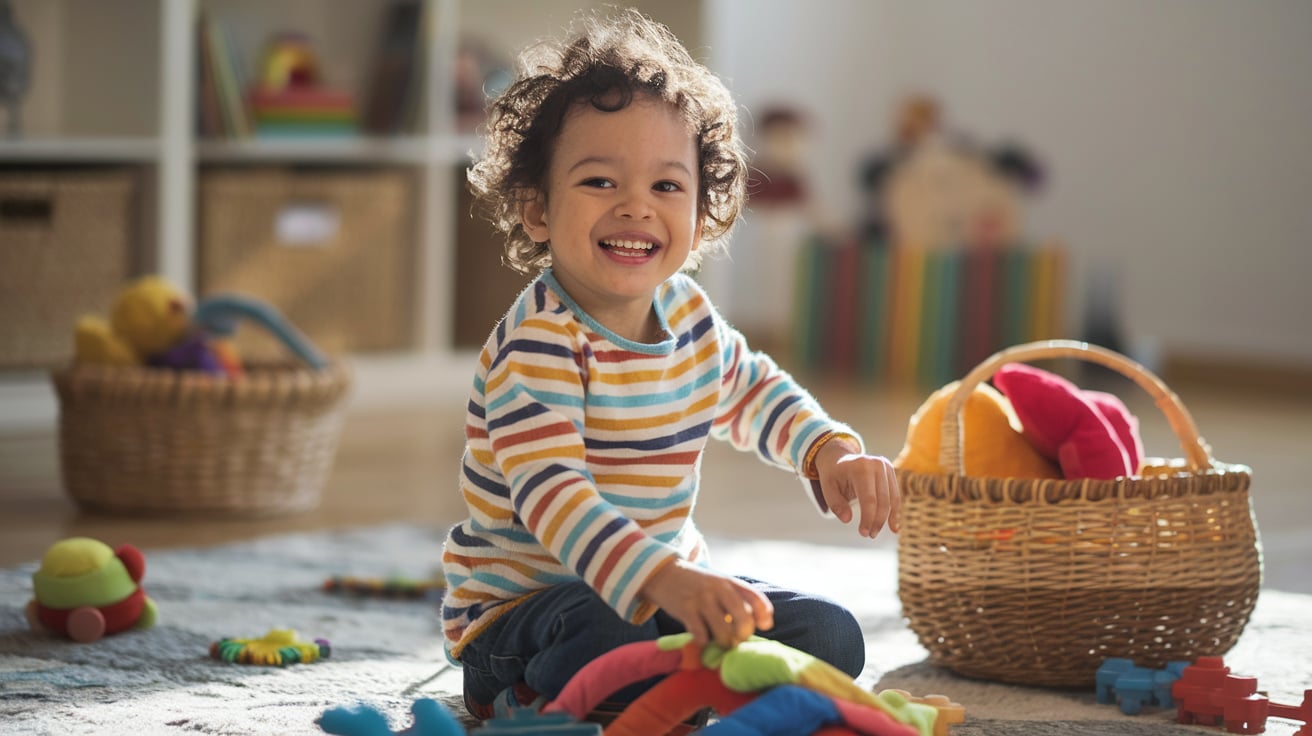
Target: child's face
<point>620,210</point>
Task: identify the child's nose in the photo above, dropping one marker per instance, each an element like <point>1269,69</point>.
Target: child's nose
<point>634,204</point>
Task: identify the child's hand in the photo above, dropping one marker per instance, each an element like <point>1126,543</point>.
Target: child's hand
<point>849,478</point>
<point>711,606</point>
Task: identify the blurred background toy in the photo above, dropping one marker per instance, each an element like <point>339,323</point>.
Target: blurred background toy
<point>154,323</point>
<point>430,719</point>
<point>931,188</point>
<point>218,317</point>
<point>278,648</point>
<point>394,587</point>
<point>291,97</point>
<point>86,590</point>
<point>150,324</point>
<point>15,68</point>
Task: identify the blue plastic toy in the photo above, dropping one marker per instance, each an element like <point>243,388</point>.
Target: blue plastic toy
<point>430,719</point>
<point>1120,681</point>
<point>218,316</point>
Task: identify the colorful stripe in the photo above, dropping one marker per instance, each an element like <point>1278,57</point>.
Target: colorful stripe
<point>583,449</point>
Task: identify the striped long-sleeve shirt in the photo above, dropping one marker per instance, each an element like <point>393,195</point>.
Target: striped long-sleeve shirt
<point>584,448</point>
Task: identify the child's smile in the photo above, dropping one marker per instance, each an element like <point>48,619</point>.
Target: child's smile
<point>620,209</point>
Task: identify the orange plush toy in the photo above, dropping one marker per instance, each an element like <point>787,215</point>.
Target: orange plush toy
<point>993,445</point>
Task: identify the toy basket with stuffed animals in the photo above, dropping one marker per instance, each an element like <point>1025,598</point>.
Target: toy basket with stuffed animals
<point>159,414</point>
<point>155,440</point>
<point>1036,581</point>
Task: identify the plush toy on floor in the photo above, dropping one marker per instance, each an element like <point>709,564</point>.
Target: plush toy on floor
<point>759,688</point>
<point>86,590</point>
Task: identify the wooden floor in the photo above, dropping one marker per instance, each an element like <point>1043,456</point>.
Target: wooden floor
<point>400,465</point>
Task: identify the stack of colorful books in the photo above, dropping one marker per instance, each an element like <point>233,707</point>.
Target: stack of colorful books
<point>919,316</point>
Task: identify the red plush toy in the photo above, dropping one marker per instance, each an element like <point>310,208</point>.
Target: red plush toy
<point>1091,434</point>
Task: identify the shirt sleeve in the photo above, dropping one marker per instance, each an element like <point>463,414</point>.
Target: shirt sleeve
<point>763,410</point>
<point>536,390</point>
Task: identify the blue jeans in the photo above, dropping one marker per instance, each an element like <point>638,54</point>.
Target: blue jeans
<point>545,640</point>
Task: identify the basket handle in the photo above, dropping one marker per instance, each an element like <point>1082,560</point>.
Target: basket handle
<point>1197,453</point>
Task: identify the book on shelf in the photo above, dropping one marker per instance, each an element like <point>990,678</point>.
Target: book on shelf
<point>391,97</point>
<point>218,55</point>
<point>209,121</point>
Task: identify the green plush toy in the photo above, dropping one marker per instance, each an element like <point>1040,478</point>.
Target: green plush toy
<point>86,590</point>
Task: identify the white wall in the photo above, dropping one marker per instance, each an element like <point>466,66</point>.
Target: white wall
<point>1177,135</point>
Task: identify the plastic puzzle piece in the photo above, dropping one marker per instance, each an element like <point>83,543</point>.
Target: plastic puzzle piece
<point>1121,681</point>
<point>949,713</point>
<point>1193,691</point>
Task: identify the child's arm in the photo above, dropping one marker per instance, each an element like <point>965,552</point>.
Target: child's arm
<point>764,410</point>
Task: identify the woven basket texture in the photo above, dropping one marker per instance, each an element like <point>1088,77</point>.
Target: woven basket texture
<point>142,440</point>
<point>333,250</point>
<point>1035,582</point>
<point>67,249</point>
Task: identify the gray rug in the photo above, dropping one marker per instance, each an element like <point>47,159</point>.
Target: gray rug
<point>387,653</point>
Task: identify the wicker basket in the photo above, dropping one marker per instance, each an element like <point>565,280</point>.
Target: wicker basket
<point>344,275</point>
<point>146,440</point>
<point>1037,581</point>
<point>65,249</point>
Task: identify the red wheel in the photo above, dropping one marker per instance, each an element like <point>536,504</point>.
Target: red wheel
<point>86,624</point>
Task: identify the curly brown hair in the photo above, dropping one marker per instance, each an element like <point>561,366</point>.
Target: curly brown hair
<point>605,65</point>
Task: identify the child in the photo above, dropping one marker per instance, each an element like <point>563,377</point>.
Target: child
<point>611,163</point>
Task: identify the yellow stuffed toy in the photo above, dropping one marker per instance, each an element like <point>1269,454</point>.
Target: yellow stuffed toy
<point>993,446</point>
<point>149,316</point>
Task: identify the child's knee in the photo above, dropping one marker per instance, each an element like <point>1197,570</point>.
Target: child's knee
<point>824,630</point>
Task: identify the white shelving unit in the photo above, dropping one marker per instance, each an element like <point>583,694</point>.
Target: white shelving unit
<point>115,84</point>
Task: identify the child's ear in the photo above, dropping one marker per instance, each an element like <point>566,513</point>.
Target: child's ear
<point>533,216</point>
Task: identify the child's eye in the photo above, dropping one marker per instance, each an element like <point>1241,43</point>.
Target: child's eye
<point>598,183</point>
<point>667,186</point>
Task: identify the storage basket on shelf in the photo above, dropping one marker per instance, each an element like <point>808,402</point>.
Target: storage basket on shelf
<point>154,440</point>
<point>1037,581</point>
<point>65,246</point>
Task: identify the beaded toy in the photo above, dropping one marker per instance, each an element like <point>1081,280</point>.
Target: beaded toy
<point>278,648</point>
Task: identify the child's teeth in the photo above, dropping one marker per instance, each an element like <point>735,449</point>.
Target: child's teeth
<point>629,244</point>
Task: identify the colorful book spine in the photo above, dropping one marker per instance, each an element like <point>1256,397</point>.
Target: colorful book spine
<point>931,303</point>
<point>843,315</point>
<point>948,344</point>
<point>1016,296</point>
<point>812,295</point>
<point>905,352</point>
<point>872,328</point>
<point>978,337</point>
<point>922,317</point>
